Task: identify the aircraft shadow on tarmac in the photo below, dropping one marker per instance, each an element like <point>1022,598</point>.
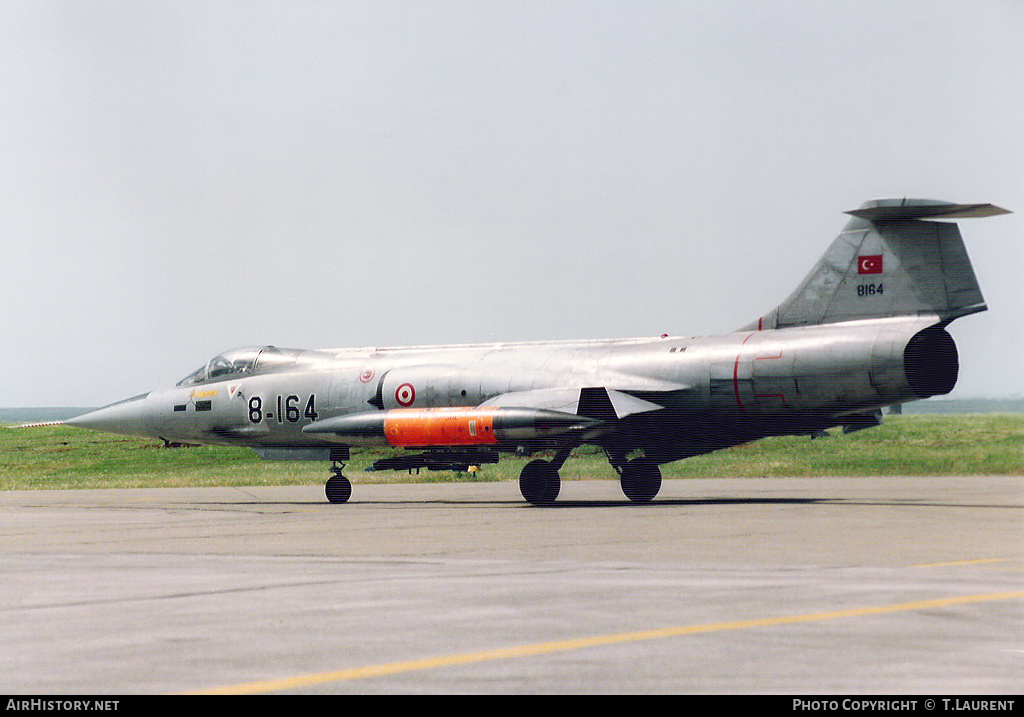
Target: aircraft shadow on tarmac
<point>592,503</point>
<point>763,501</point>
<point>623,503</point>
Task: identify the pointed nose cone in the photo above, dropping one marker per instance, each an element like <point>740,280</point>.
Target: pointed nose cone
<point>122,417</point>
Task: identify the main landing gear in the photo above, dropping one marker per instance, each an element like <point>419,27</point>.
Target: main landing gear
<point>540,483</point>
<point>640,480</point>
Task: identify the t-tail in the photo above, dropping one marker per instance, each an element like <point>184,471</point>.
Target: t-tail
<point>889,261</point>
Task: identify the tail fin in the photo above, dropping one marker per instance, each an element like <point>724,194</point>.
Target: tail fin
<point>889,262</point>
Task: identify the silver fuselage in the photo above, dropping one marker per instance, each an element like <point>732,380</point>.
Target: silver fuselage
<point>709,391</point>
<point>865,329</point>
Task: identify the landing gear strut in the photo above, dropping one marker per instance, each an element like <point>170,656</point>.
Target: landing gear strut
<point>338,488</point>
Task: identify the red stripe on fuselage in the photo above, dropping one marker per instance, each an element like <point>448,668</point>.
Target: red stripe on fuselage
<point>736,377</point>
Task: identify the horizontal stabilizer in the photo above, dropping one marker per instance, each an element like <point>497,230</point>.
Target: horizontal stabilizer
<point>891,209</point>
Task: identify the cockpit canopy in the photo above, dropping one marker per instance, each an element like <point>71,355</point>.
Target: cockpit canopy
<point>242,362</point>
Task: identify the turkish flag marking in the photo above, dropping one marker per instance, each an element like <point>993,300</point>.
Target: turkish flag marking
<point>870,264</point>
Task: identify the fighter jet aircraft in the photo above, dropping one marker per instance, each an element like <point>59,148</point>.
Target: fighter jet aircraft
<point>865,329</point>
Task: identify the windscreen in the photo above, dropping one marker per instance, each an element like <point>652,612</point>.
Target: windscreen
<point>240,362</point>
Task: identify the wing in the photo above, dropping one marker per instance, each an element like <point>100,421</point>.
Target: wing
<point>593,402</point>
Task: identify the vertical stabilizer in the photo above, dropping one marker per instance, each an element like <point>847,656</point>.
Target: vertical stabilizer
<point>889,261</point>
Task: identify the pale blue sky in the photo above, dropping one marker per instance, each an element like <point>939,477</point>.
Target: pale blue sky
<point>181,178</point>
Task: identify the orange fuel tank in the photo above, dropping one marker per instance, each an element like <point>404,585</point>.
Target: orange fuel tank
<point>450,426</point>
<point>418,427</point>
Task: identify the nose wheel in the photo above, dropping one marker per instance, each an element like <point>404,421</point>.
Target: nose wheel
<point>338,489</point>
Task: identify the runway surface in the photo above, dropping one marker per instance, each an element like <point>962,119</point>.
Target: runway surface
<point>808,586</point>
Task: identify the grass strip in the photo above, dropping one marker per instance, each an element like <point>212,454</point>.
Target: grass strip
<point>61,457</point>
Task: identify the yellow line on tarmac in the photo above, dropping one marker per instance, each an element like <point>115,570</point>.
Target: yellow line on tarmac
<point>542,648</point>
<point>960,562</point>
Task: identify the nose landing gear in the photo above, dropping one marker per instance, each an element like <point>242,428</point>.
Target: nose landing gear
<point>338,488</point>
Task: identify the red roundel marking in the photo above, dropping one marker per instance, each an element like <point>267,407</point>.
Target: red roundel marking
<point>366,376</point>
<point>405,394</point>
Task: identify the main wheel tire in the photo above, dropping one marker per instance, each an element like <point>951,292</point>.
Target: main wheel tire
<point>641,480</point>
<point>338,489</point>
<point>539,482</point>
